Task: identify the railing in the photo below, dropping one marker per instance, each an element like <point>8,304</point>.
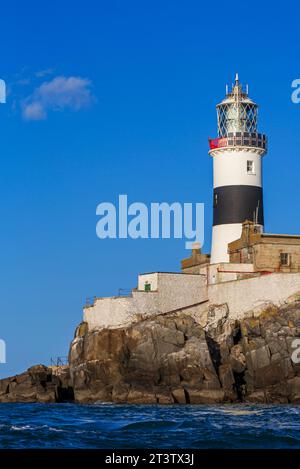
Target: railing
<point>217,143</point>
<point>124,292</point>
<point>90,301</point>
<point>244,139</point>
<point>59,361</point>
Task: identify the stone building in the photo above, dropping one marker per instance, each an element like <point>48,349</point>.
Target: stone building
<point>265,251</point>
<point>194,263</point>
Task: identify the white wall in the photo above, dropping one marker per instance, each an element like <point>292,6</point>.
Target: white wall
<point>120,311</point>
<point>180,290</point>
<point>225,271</point>
<point>247,294</point>
<point>185,291</point>
<point>111,311</point>
<point>151,278</point>
<point>174,291</point>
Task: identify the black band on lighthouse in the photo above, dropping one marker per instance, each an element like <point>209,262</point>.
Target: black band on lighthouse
<point>235,204</point>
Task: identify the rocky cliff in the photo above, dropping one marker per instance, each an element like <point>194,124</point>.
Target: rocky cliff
<point>173,359</point>
<point>38,384</point>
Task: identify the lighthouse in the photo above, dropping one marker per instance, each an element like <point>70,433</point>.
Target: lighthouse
<point>237,170</point>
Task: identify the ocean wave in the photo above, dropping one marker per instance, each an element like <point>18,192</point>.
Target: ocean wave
<point>150,425</point>
<point>125,426</point>
<point>31,428</point>
<point>21,428</point>
<point>241,412</point>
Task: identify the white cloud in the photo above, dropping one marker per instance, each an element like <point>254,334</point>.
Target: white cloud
<point>34,111</point>
<point>43,73</point>
<point>61,93</point>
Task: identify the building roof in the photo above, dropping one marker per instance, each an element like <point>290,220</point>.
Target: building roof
<point>276,235</point>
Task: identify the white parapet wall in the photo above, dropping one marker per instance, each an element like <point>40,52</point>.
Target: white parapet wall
<point>190,293</point>
<point>169,292</point>
<point>119,311</point>
<point>249,294</point>
<point>226,271</point>
<point>177,291</point>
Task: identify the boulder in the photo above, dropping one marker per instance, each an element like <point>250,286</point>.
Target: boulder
<point>37,384</point>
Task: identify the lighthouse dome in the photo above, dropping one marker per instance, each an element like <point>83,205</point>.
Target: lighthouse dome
<point>237,112</point>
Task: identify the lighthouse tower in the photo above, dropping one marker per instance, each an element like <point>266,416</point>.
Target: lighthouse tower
<point>237,170</point>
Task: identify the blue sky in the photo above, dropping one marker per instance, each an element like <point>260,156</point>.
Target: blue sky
<point>109,98</point>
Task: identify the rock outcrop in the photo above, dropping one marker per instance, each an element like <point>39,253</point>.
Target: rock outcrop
<point>163,360</point>
<point>171,358</point>
<point>37,384</point>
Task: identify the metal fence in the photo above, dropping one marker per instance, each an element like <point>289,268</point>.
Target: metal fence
<point>124,292</point>
<point>59,361</point>
<point>90,301</point>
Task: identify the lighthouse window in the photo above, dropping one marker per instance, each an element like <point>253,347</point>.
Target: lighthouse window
<point>250,167</point>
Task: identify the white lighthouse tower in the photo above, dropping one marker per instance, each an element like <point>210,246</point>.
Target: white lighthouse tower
<point>237,170</point>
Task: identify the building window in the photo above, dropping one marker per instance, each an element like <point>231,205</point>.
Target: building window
<point>284,259</point>
<point>147,286</point>
<point>215,200</point>
<point>250,167</point>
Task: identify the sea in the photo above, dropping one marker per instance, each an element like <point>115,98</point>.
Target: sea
<point>110,426</point>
